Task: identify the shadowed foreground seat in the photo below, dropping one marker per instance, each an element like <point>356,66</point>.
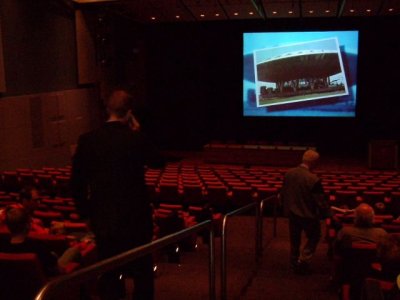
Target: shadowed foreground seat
<point>21,276</point>
<point>353,266</point>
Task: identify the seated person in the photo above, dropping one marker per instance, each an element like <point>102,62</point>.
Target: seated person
<point>382,284</point>
<point>29,198</point>
<point>362,231</point>
<point>354,265</point>
<point>18,222</point>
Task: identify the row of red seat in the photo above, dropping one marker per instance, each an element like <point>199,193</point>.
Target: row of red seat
<point>49,180</point>
<point>223,185</point>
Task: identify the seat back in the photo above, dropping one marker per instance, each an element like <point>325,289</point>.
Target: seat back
<point>356,266</point>
<point>242,195</point>
<point>346,198</point>
<point>57,243</point>
<point>21,276</point>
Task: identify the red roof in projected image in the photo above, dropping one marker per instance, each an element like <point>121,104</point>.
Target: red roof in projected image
<point>299,64</point>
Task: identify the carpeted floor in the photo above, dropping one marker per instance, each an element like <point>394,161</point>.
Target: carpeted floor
<point>270,279</point>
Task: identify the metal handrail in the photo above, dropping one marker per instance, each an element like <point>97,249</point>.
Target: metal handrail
<point>275,211</point>
<point>259,249</point>
<point>259,205</point>
<point>109,264</point>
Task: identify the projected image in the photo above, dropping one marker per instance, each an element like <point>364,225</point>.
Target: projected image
<point>300,74</point>
<point>316,71</point>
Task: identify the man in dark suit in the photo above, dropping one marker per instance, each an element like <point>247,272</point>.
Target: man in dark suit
<point>108,185</point>
<point>304,203</point>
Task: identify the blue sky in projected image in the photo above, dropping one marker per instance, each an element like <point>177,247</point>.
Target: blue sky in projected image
<point>276,43</point>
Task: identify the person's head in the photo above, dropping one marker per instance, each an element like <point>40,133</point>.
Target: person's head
<point>29,197</point>
<point>310,158</point>
<point>364,215</point>
<point>17,220</point>
<point>119,104</point>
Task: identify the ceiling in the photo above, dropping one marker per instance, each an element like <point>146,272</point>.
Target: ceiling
<point>147,11</point>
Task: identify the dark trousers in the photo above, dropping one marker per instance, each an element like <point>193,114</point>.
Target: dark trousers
<point>312,230</point>
<point>110,285</point>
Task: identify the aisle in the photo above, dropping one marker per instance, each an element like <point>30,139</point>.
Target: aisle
<point>272,279</point>
<point>275,281</point>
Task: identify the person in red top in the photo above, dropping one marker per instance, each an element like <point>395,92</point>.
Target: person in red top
<point>29,198</point>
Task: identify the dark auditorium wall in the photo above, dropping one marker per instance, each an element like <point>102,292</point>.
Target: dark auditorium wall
<point>194,77</point>
<point>43,109</point>
<point>187,76</point>
<point>39,46</point>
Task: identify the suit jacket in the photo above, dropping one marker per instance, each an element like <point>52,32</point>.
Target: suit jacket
<point>302,194</point>
<point>108,181</point>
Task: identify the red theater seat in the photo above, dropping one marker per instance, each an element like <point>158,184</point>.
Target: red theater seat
<point>168,192</point>
<point>65,210</point>
<point>22,276</point>
<point>217,196</point>
<point>45,183</point>
<point>353,266</point>
<point>48,216</point>
<point>11,182</point>
<point>193,194</point>
<point>62,186</point>
<point>57,243</point>
<point>242,195</point>
<point>373,197</point>
<point>395,204</point>
<point>52,202</point>
<point>27,179</point>
<point>346,198</point>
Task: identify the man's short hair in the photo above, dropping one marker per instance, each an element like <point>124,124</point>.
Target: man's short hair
<point>119,103</point>
<point>364,215</point>
<point>17,219</point>
<point>310,156</point>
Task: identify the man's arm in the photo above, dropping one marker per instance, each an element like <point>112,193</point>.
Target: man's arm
<point>79,184</point>
<point>321,201</point>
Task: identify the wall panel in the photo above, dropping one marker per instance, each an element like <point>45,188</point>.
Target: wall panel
<point>40,130</point>
<point>85,47</point>
<point>2,71</point>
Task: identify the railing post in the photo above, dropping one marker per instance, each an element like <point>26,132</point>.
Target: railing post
<point>223,258</point>
<point>259,237</point>
<point>275,215</point>
<point>258,231</point>
<point>224,246</point>
<point>211,249</point>
<point>261,227</point>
